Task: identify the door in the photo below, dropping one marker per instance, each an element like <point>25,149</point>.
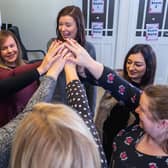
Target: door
<point>114,26</point>
<point>101,27</point>
<point>147,22</point>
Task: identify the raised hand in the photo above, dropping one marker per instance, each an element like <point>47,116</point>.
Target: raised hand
<point>83,59</point>
<point>70,68</point>
<point>50,56</point>
<point>58,63</point>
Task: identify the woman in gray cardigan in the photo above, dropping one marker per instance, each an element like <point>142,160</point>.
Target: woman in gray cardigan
<point>70,24</point>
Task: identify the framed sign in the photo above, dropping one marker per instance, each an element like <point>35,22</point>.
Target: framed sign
<point>97,6</point>
<point>152,31</point>
<point>155,6</point>
<point>97,29</point>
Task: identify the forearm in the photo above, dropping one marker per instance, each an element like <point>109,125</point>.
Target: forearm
<point>44,93</point>
<point>26,67</point>
<point>95,68</point>
<point>91,92</point>
<point>77,99</point>
<point>5,73</point>
<point>70,74</point>
<point>13,84</point>
<point>119,88</point>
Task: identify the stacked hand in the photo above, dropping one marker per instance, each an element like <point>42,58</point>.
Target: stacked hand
<point>67,55</point>
<point>50,57</point>
<point>81,56</point>
<point>83,59</point>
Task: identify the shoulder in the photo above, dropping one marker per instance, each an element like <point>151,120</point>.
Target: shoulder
<point>133,131</point>
<point>90,49</point>
<point>89,45</point>
<point>50,41</point>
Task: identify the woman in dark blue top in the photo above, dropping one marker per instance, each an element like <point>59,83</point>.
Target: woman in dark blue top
<point>142,145</point>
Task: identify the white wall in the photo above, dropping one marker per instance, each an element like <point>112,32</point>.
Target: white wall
<point>0,20</point>
<point>36,19</point>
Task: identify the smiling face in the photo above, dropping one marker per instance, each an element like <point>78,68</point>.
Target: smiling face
<point>9,51</point>
<point>147,122</point>
<point>136,67</point>
<point>67,27</point>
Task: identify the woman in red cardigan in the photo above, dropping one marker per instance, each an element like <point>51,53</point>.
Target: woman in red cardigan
<point>12,64</point>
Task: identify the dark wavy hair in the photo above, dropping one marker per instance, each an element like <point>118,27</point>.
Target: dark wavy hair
<point>76,14</point>
<point>150,60</point>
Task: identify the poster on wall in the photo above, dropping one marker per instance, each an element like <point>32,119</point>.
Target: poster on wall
<point>155,6</point>
<point>97,29</point>
<point>97,6</point>
<point>152,31</point>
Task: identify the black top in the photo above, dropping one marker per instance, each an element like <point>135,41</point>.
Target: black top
<point>13,84</point>
<point>77,99</point>
<point>124,150</point>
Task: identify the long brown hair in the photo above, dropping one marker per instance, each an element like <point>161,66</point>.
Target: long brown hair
<point>76,14</point>
<point>150,61</point>
<point>4,34</point>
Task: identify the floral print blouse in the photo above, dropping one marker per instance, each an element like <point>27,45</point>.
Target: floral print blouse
<point>125,154</point>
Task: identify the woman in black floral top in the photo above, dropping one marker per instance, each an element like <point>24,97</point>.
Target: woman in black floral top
<point>143,145</point>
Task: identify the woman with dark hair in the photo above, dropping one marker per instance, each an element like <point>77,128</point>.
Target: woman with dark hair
<point>70,24</point>
<point>73,13</point>
<point>139,69</point>
<point>141,145</point>
<point>150,60</point>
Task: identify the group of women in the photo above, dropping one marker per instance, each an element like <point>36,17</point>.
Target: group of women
<point>55,135</point>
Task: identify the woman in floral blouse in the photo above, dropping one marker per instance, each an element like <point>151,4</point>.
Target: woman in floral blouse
<point>143,145</point>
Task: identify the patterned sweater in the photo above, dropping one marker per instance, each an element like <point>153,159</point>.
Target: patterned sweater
<point>43,93</point>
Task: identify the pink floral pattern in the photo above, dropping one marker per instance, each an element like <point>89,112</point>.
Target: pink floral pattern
<point>110,78</point>
<point>124,145</point>
<point>152,165</point>
<point>133,99</point>
<point>121,89</point>
<point>128,140</point>
<point>123,156</point>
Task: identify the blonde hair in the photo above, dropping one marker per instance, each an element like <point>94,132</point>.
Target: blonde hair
<point>52,136</point>
<point>4,34</point>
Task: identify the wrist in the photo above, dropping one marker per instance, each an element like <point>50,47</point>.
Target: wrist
<point>71,74</point>
<point>52,76</point>
<point>40,71</point>
<point>95,68</point>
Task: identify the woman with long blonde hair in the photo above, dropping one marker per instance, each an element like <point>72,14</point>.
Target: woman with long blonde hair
<point>54,136</point>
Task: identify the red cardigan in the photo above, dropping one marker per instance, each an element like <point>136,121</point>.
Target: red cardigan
<point>10,106</point>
